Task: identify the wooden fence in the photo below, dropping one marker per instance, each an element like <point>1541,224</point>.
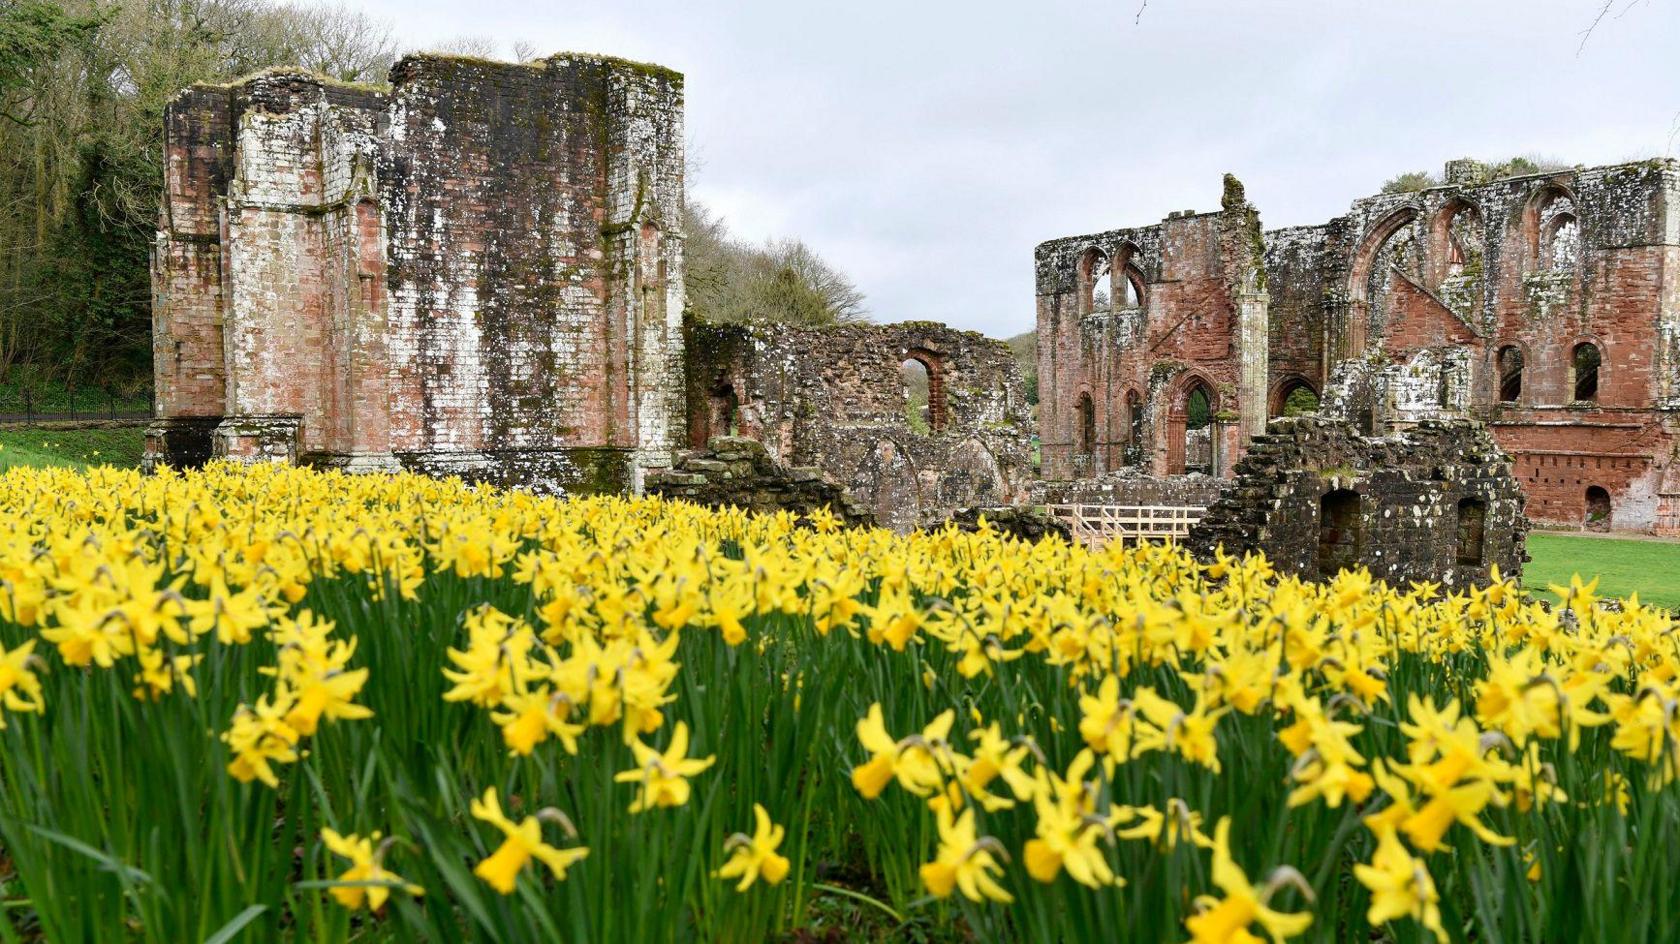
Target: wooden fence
<point>1096,525</point>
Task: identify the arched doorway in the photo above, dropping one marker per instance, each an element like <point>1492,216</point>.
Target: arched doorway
<point>1295,397</point>
<point>1598,514</point>
<point>1085,437</point>
<point>1134,428</point>
<point>1199,449</point>
<point>913,374</point>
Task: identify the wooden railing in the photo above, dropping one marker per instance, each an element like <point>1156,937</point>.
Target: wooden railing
<point>1096,525</point>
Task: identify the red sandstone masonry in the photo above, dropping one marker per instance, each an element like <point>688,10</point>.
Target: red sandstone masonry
<point>1425,348</point>
<point>469,266</point>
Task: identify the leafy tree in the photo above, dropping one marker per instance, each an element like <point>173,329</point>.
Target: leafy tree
<point>783,281</point>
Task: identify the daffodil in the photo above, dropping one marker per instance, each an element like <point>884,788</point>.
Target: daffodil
<point>368,882</point>
<point>1221,921</point>
<point>964,862</point>
<point>754,857</point>
<point>1400,886</point>
<point>521,843</point>
<point>663,774</point>
<point>20,687</point>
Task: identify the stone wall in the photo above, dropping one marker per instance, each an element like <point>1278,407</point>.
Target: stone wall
<point>834,399</point>
<point>738,472</point>
<point>1131,322</point>
<point>1130,487</point>
<point>1410,308</point>
<point>476,270</point>
<point>1436,502</point>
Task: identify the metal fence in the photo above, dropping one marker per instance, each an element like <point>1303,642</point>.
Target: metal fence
<point>1097,525</point>
<point>28,406</point>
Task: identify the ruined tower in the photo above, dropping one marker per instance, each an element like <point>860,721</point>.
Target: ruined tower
<point>477,269</point>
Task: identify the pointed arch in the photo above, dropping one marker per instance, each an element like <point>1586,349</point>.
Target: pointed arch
<point>1096,281</point>
<point>1356,331</point>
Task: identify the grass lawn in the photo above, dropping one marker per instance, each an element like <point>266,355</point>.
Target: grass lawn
<point>76,448</point>
<point>1651,568</point>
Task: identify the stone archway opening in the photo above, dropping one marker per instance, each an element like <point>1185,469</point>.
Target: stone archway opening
<point>1295,397</point>
<point>1598,510</point>
<point>1134,428</point>
<point>1085,437</point>
<point>1199,447</point>
<point>1339,532</point>
<point>1510,365</point>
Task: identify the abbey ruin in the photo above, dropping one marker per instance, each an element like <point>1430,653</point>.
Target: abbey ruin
<point>1545,306</point>
<point>478,270</point>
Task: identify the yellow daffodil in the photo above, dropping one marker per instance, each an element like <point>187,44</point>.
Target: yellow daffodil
<point>370,883</point>
<point>754,857</point>
<point>520,844</point>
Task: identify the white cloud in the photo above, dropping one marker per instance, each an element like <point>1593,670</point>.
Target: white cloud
<point>927,147</point>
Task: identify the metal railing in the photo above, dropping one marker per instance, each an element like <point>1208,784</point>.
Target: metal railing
<point>1097,525</point>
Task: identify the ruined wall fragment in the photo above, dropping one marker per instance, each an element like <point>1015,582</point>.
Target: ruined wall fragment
<point>833,398</point>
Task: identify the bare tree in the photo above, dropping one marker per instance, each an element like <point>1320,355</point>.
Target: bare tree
<point>335,40</point>
<point>479,47</point>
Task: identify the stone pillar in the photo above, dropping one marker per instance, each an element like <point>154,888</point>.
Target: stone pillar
<point>1254,353</point>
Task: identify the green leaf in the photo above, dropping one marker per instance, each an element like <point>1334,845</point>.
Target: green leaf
<point>240,920</point>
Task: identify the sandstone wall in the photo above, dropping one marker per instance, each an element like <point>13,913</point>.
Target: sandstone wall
<point>1436,502</point>
<point>834,399</point>
<point>1407,309</point>
<point>477,270</point>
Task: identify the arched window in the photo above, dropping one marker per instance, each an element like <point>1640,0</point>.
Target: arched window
<point>1583,372</point>
<point>1463,236</point>
<point>1598,509</point>
<point>1509,363</point>
<point>1339,537</point>
<point>1198,430</point>
<point>1096,278</point>
<point>1129,288</point>
<point>1559,232</point>
<point>1472,531</point>
<point>1085,442</point>
<point>924,392</point>
<point>1134,434</point>
<point>1295,397</point>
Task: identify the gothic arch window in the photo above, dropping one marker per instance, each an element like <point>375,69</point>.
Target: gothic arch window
<point>1557,232</point>
<point>1458,237</point>
<point>1509,363</point>
<point>1388,256</point>
<point>1198,429</point>
<point>1085,436</point>
<point>1584,363</point>
<point>1128,290</point>
<point>1134,428</point>
<point>1096,282</point>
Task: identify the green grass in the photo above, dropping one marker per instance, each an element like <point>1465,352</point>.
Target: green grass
<point>1650,568</point>
<point>74,448</point>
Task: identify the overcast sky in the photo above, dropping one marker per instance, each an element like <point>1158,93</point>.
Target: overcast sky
<point>925,148</point>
